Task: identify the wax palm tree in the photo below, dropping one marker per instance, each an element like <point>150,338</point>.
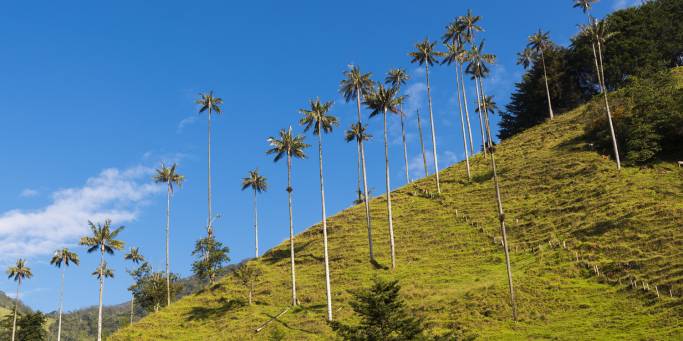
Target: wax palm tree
<point>478,69</point>
<point>422,143</point>
<point>538,42</point>
<point>136,257</point>
<point>212,105</point>
<point>18,273</point>
<point>62,257</point>
<point>382,101</point>
<point>103,239</point>
<point>454,54</point>
<point>168,176</point>
<point>258,184</point>
<point>426,54</point>
<point>470,25</point>
<point>290,146</point>
<point>317,117</point>
<point>397,78</point>
<point>357,132</point>
<point>354,86</point>
<point>586,6</point>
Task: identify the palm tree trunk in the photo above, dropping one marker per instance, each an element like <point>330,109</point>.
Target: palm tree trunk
<point>481,119</point>
<point>251,290</point>
<point>501,218</point>
<point>61,306</point>
<point>485,113</point>
<point>405,145</point>
<point>597,68</point>
<point>422,144</point>
<point>462,124</point>
<point>291,227</point>
<point>168,238</point>
<point>609,112</point>
<point>16,307</point>
<point>467,110</point>
<point>388,184</point>
<point>360,176</point>
<point>99,311</point>
<point>431,121</point>
<point>365,182</point>
<point>547,88</point>
<point>132,306</point>
<point>256,224</point>
<point>209,222</point>
<point>328,291</point>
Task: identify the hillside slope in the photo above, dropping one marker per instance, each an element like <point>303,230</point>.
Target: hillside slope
<point>557,194</point>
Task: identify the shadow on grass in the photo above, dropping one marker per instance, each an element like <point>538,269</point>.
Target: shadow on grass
<point>482,177</point>
<point>378,266</point>
<point>275,256</point>
<point>284,324</point>
<point>226,305</point>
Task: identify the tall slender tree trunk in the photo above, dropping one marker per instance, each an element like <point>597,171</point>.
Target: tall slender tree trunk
<point>462,124</point>
<point>547,88</point>
<point>99,310</point>
<point>256,224</point>
<point>609,112</point>
<point>405,145</point>
<point>501,218</point>
<point>481,119</point>
<point>328,290</point>
<point>388,185</point>
<point>132,306</point>
<point>168,239</point>
<point>359,192</point>
<point>431,121</point>
<point>291,227</point>
<point>467,110</point>
<point>210,222</point>
<point>597,68</point>
<point>16,307</point>
<point>61,307</point>
<point>485,113</point>
<point>365,182</point>
<point>422,144</point>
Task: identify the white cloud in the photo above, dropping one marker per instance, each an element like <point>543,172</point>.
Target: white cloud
<point>621,4</point>
<point>114,194</point>
<point>186,122</point>
<point>28,192</point>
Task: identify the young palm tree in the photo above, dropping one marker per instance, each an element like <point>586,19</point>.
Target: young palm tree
<point>103,239</point>
<point>247,275</point>
<point>136,257</point>
<point>170,177</point>
<point>258,184</point>
<point>357,132</point>
<point>422,144</point>
<point>382,101</point>
<point>18,273</point>
<point>317,117</point>
<point>538,42</point>
<point>65,257</point>
<point>397,78</point>
<point>291,146</point>
<point>426,55</point>
<point>212,105</point>
<point>454,54</point>
<point>354,86</point>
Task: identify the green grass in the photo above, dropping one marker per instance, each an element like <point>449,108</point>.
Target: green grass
<point>555,190</point>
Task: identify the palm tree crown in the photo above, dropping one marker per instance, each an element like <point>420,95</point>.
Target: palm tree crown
<point>425,53</point>
<point>255,181</point>
<point>396,77</point>
<point>539,41</point>
<point>103,271</point>
<point>355,82</point>
<point>357,132</point>
<point>168,175</point>
<point>64,256</point>
<point>287,145</point>
<point>585,5</point>
<point>526,57</point>
<point>381,100</point>
<point>134,255</point>
<point>208,101</point>
<point>103,237</point>
<point>469,23</point>
<point>489,104</point>
<point>455,53</point>
<point>478,60</point>
<point>20,271</point>
<point>318,118</point>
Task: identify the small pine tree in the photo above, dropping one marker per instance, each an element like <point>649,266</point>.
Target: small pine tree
<point>383,315</point>
<point>211,255</point>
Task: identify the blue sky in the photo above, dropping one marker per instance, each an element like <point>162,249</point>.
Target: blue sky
<point>94,96</point>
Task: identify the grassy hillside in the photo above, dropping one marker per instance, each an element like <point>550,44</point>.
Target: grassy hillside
<point>557,193</point>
